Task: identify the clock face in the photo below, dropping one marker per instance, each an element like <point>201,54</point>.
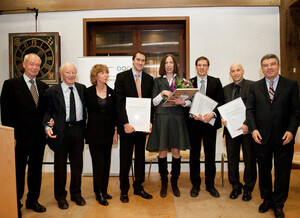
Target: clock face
<point>45,45</point>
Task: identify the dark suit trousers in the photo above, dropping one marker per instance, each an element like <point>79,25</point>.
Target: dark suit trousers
<point>34,158</point>
<point>72,146</point>
<point>283,156</point>
<point>233,146</point>
<point>137,141</point>
<point>101,155</point>
<point>208,134</point>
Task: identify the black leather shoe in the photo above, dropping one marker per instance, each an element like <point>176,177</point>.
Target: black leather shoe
<point>101,199</point>
<point>107,196</point>
<point>213,192</point>
<point>278,212</point>
<point>124,198</point>
<point>143,194</point>
<point>265,206</point>
<point>195,191</point>
<point>63,204</point>
<point>235,193</point>
<point>79,200</point>
<point>247,195</point>
<point>35,207</point>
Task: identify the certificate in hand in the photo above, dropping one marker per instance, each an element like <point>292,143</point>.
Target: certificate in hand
<point>234,112</point>
<point>139,112</point>
<point>185,94</point>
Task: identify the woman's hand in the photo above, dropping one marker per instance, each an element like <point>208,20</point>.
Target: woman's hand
<point>165,93</point>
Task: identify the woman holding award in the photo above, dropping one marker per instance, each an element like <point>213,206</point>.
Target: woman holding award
<point>169,130</point>
<point>101,130</point>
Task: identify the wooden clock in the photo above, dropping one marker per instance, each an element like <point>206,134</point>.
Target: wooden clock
<point>45,45</point>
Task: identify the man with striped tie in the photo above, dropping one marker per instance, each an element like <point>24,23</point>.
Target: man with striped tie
<point>132,83</point>
<point>273,113</point>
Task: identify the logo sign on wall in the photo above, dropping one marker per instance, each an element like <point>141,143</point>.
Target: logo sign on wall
<point>115,64</point>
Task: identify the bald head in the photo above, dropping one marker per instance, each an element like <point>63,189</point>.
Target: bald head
<point>237,72</point>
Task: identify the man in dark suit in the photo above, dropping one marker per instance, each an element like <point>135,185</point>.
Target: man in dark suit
<point>125,86</point>
<point>22,107</point>
<point>273,115</point>
<point>239,88</point>
<point>65,103</point>
<point>200,129</point>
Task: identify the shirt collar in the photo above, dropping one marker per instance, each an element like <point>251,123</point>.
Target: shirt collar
<point>274,80</point>
<point>27,79</point>
<point>65,87</point>
<point>135,73</point>
<point>174,75</point>
<point>199,78</point>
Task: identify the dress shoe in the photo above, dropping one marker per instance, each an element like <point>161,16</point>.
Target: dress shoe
<point>213,192</point>
<point>143,194</point>
<point>265,206</point>
<point>124,198</point>
<point>195,191</point>
<point>79,200</point>
<point>235,193</point>
<point>278,212</point>
<point>63,204</point>
<point>107,196</point>
<point>35,207</point>
<point>247,195</point>
<point>101,199</point>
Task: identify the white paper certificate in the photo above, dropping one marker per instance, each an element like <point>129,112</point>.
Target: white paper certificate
<point>139,112</point>
<point>202,105</point>
<point>234,112</point>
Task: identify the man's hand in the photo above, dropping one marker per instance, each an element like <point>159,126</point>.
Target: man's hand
<point>207,117</point>
<point>287,137</point>
<point>199,117</point>
<point>256,136</point>
<point>49,132</point>
<point>150,129</point>
<point>224,122</point>
<point>244,128</point>
<point>128,128</point>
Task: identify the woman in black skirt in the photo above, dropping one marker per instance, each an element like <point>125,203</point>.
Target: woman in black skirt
<point>101,129</point>
<point>169,130</point>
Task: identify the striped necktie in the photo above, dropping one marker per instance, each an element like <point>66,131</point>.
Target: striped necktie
<point>34,92</point>
<point>271,91</point>
<point>138,85</point>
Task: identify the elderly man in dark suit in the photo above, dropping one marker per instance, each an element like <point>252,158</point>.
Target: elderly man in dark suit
<point>132,83</point>
<point>200,129</point>
<point>66,106</point>
<point>273,114</point>
<point>239,88</point>
<point>22,107</point>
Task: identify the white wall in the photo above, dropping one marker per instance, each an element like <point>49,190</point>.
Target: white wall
<point>225,35</point>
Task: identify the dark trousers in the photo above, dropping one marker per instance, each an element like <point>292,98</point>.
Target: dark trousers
<point>233,146</point>
<point>101,156</point>
<point>283,156</point>
<point>137,141</point>
<point>208,134</point>
<point>34,158</point>
<point>72,147</point>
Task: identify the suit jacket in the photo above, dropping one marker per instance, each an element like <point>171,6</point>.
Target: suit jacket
<point>245,88</point>
<point>214,90</point>
<point>56,109</point>
<point>272,120</point>
<point>101,121</point>
<point>18,110</point>
<point>125,87</point>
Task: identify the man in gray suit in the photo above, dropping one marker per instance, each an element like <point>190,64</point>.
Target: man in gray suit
<point>239,88</point>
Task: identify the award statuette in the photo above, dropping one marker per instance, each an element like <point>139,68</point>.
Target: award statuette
<point>45,45</point>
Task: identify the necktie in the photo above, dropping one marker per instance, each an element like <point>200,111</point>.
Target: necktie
<point>237,92</point>
<point>138,85</point>
<point>72,106</point>
<point>271,91</point>
<point>202,87</point>
<point>34,92</point>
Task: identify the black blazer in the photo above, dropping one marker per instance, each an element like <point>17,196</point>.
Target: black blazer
<point>18,110</point>
<point>214,90</point>
<point>245,88</point>
<point>125,87</point>
<point>100,124</point>
<point>56,109</point>
<point>272,120</point>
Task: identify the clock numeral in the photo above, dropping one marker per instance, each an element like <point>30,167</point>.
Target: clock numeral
<point>34,42</point>
<point>49,58</point>
<point>47,66</point>
<point>40,53</point>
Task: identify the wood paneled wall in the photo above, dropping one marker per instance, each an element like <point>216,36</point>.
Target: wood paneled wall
<point>79,5</point>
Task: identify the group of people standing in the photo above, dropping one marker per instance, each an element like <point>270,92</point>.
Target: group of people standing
<point>61,111</point>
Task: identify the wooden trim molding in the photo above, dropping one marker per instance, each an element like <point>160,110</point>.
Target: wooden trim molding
<point>6,6</point>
